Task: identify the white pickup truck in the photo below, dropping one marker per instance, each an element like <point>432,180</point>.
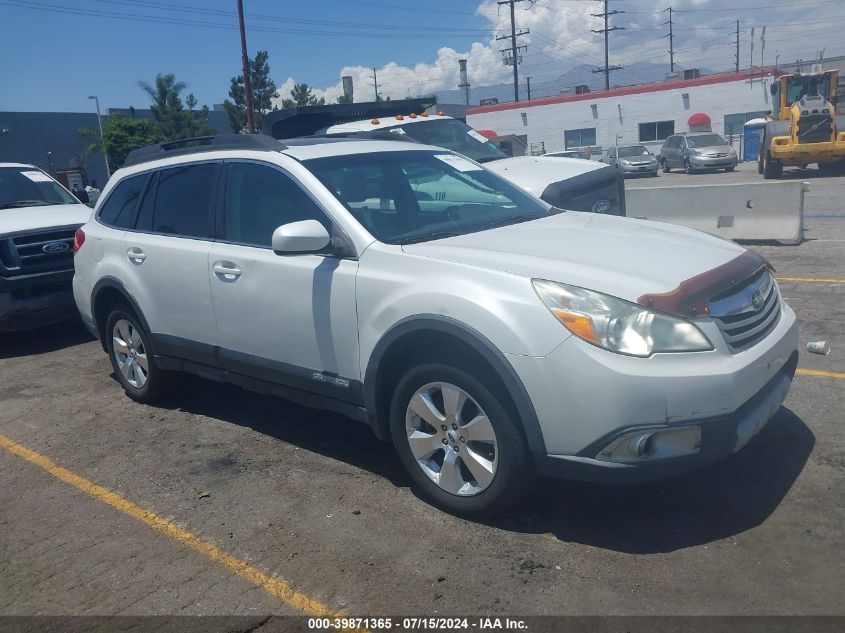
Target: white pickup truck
<point>566,183</point>
<point>38,218</point>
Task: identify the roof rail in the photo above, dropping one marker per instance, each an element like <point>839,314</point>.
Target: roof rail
<point>200,144</point>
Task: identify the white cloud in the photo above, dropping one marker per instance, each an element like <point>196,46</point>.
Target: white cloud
<point>560,37</point>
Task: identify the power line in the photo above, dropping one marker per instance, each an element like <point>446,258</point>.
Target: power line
<point>606,31</point>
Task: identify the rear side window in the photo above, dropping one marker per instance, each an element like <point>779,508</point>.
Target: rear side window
<point>181,203</point>
<point>259,199</point>
<point>119,209</point>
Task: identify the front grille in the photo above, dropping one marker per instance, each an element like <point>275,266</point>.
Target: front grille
<point>37,252</point>
<point>815,128</point>
<point>741,323</point>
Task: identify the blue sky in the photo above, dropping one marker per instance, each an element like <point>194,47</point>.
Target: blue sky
<point>54,53</point>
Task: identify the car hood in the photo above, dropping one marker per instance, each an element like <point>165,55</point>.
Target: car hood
<point>622,257</point>
<point>19,219</point>
<point>535,173</point>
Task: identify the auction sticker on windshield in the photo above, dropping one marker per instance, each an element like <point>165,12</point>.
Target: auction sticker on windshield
<point>37,176</point>
<point>458,162</point>
<point>477,136</point>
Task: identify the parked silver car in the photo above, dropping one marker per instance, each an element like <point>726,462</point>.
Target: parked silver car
<point>701,150</point>
<point>632,160</point>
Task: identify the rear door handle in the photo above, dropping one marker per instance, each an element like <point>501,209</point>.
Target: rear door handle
<point>136,255</point>
<point>227,271</point>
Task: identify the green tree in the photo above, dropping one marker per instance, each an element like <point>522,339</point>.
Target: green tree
<point>301,95</point>
<point>121,135</point>
<point>344,99</point>
<point>263,93</point>
<point>174,122</point>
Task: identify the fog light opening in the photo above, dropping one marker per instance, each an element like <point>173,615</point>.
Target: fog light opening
<point>652,444</point>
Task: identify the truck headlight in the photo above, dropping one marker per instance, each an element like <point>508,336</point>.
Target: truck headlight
<point>617,325</point>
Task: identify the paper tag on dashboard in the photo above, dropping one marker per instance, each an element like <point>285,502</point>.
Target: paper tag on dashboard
<point>458,162</point>
<point>477,136</point>
<point>37,176</point>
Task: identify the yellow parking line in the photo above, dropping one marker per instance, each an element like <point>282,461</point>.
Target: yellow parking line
<point>821,374</point>
<point>811,280</point>
<point>274,586</point>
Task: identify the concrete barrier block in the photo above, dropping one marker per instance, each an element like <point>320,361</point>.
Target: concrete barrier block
<point>771,211</point>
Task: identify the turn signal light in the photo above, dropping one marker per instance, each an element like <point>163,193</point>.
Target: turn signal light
<point>78,240</point>
<point>579,324</point>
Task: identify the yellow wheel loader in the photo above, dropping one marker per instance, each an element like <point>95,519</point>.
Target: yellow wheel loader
<point>806,125</point>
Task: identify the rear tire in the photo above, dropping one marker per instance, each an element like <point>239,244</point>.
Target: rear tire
<point>491,468</point>
<point>128,346</point>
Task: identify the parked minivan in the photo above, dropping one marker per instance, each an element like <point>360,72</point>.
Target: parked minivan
<point>697,150</point>
<point>489,336</point>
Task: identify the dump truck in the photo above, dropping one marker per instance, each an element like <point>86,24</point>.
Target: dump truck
<point>806,125</point>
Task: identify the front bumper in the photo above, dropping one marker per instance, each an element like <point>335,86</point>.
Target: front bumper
<point>639,170</point>
<point>585,397</point>
<point>706,162</point>
<point>720,436</point>
<point>36,300</point>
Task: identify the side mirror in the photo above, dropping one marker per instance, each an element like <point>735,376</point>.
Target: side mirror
<point>307,236</point>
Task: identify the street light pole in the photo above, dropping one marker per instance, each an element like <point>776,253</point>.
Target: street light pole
<point>100,123</point>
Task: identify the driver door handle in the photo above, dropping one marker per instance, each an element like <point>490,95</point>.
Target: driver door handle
<point>227,271</point>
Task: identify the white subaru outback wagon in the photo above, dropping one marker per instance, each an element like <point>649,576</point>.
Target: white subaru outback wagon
<point>489,336</point>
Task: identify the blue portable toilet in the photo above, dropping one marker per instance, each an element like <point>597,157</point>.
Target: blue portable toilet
<point>752,133</point>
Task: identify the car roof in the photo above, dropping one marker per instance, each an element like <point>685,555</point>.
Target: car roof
<point>157,156</point>
<point>18,165</point>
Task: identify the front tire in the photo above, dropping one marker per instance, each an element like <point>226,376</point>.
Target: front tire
<point>687,167</point>
<point>458,443</point>
<point>666,168</point>
<point>772,168</point>
<point>131,357</point>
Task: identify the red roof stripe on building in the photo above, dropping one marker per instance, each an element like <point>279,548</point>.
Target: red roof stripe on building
<point>629,90</point>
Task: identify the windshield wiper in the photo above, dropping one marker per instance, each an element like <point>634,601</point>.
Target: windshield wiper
<point>437,235</point>
<point>27,203</point>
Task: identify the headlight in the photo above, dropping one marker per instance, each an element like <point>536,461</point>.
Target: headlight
<point>617,325</point>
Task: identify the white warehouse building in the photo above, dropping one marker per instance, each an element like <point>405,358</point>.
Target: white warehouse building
<point>645,113</point>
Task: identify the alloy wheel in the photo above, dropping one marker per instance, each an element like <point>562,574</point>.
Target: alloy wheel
<point>130,353</point>
<point>451,439</point>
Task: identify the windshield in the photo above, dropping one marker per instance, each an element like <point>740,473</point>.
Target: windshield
<point>797,87</point>
<point>634,150</point>
<point>453,135</point>
<point>30,187</point>
<point>404,197</point>
<point>705,140</point>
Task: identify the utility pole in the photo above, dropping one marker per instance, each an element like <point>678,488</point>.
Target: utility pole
<point>528,87</point>
<point>671,37</point>
<point>375,82</point>
<point>250,113</point>
<point>514,50</point>
<point>737,46</point>
<point>606,30</point>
